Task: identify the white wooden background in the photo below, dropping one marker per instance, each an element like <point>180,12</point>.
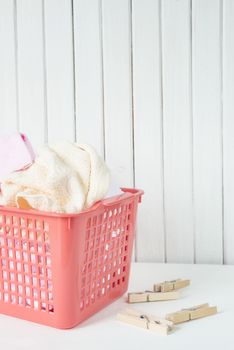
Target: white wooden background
<point>150,84</point>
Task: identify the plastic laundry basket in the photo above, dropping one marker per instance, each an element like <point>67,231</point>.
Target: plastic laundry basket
<point>59,269</point>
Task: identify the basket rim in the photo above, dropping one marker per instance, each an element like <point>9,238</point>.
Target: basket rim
<point>106,202</point>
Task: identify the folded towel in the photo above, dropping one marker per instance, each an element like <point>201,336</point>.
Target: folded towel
<point>15,153</point>
<point>65,178</point>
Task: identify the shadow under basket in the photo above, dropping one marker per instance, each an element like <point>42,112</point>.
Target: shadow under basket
<point>60,269</point>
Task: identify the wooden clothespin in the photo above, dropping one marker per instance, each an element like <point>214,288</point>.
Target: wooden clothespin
<point>192,313</point>
<point>168,286</point>
<point>147,296</point>
<point>145,321</point>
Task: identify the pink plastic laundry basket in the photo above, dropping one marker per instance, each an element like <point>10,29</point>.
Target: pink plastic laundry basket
<point>59,269</point>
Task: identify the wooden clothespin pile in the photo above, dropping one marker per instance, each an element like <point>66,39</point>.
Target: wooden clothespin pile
<point>191,313</point>
<point>162,291</point>
<point>168,286</point>
<point>166,290</point>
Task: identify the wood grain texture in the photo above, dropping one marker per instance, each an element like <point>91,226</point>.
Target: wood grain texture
<point>177,130</point>
<point>148,128</point>
<point>89,74</point>
<point>228,129</point>
<point>31,70</point>
<point>207,131</point>
<point>8,86</point>
<point>117,90</point>
<point>59,70</point>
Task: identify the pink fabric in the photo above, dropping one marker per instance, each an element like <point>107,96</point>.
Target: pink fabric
<point>16,153</point>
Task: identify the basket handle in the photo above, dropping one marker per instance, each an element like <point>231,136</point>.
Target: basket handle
<point>127,193</point>
<point>115,200</point>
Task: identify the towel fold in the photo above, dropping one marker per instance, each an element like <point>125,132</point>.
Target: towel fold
<point>65,178</point>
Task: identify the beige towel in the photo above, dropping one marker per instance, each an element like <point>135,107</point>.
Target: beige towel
<point>65,178</point>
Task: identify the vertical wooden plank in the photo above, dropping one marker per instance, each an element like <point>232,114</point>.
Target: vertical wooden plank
<point>207,131</point>
<point>148,129</point>
<point>89,87</point>
<point>228,129</point>
<point>177,130</point>
<point>31,70</point>
<point>59,69</point>
<point>117,90</point>
<point>8,92</point>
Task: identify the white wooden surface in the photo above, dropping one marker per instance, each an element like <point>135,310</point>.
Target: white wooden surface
<point>59,69</point>
<point>148,129</point>
<point>207,131</point>
<point>177,130</point>
<point>228,125</point>
<point>8,67</point>
<point>89,73</point>
<point>31,69</point>
<point>117,89</point>
<point>210,283</point>
<point>150,85</point>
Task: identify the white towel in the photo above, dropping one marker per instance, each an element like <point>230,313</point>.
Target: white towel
<point>65,178</point>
